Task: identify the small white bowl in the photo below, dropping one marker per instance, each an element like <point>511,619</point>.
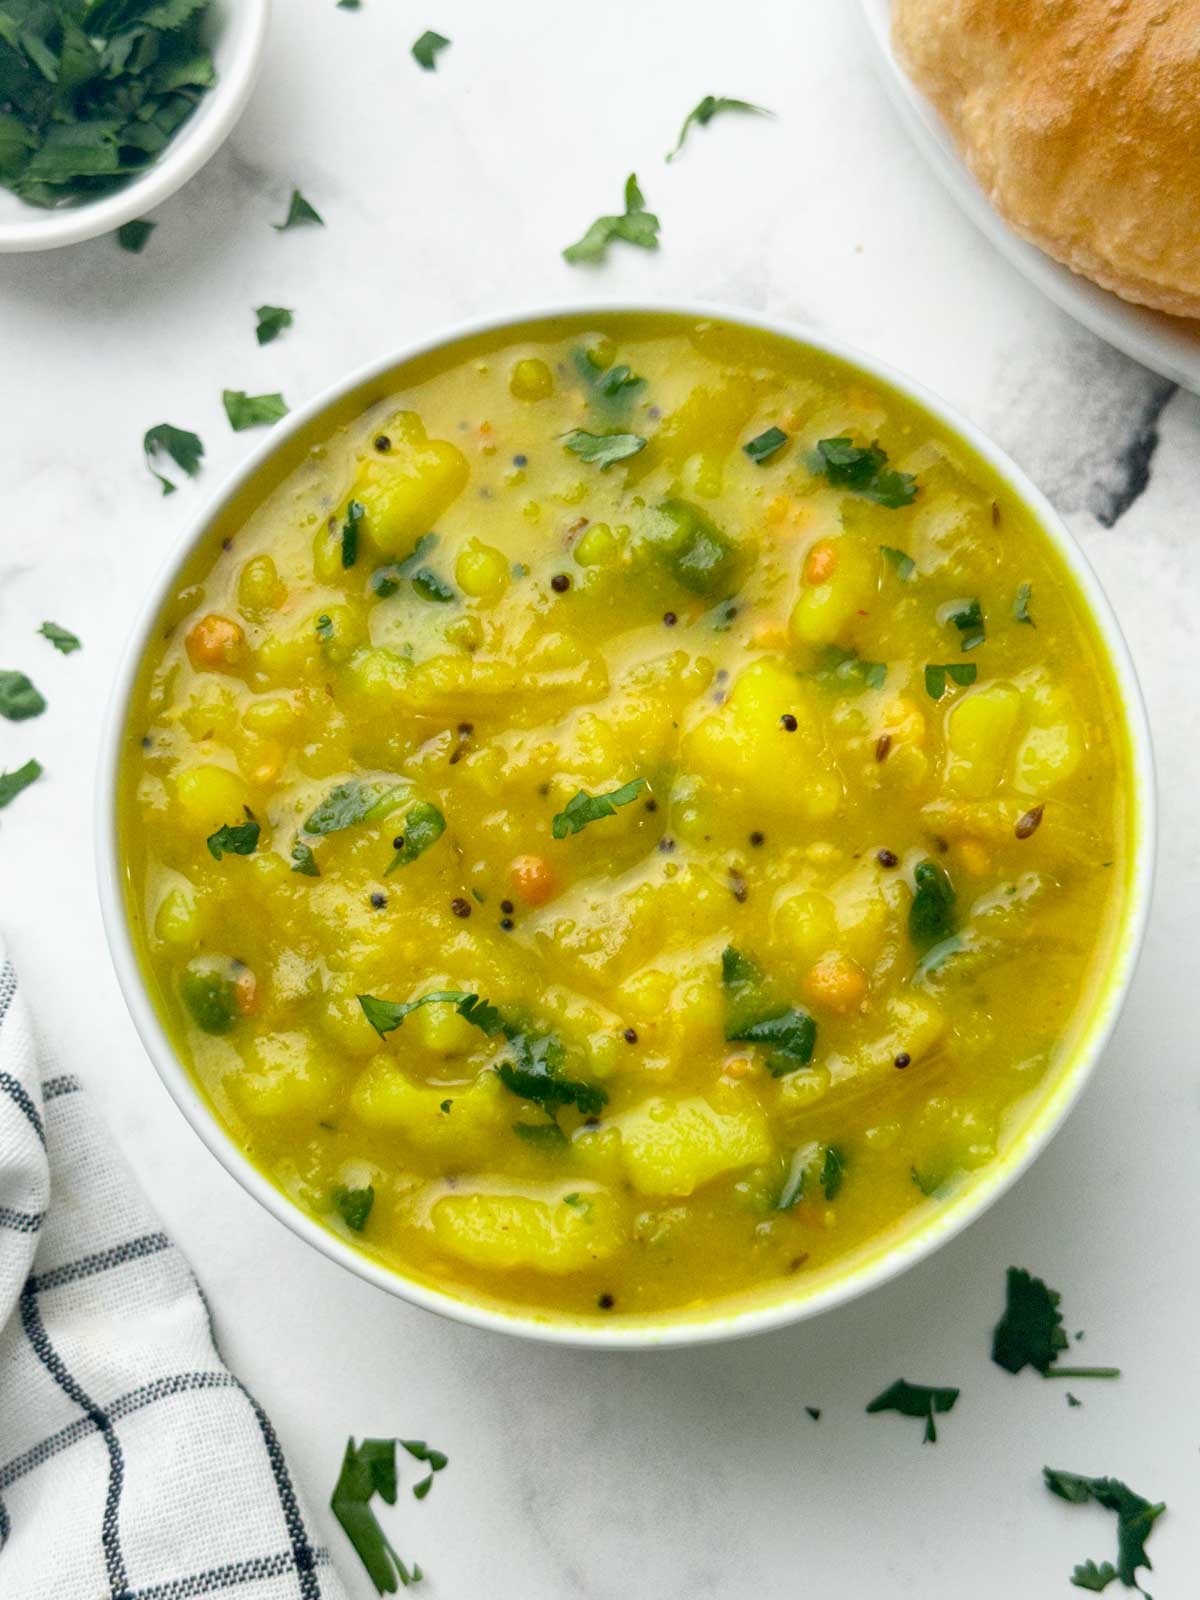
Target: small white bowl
<point>1057,1096</point>
<point>239,33</point>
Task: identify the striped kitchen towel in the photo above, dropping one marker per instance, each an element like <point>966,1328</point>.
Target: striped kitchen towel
<point>133,1464</point>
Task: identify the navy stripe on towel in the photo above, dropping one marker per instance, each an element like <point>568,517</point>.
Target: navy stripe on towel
<point>148,1244</point>
<point>19,1095</point>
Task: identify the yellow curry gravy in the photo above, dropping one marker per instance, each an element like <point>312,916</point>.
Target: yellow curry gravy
<point>714,729</point>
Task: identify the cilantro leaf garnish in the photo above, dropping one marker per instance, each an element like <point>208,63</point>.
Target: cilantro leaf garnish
<point>533,1076</point>
<point>355,512</point>
<point>583,808</point>
<point>915,1400</point>
<point>863,469</point>
<point>764,445</point>
<point>92,93</point>
<point>967,617</point>
<point>833,1169</point>
<point>299,212</point>
<point>906,567</point>
<point>133,236</point>
<point>843,669</point>
<point>420,1451</point>
<point>711,106</point>
<point>931,914</point>
<point>430,587</point>
<point>233,839</point>
<point>635,226</point>
<point>385,581</point>
<point>324,627</point>
<point>303,860</point>
<point>788,1032</point>
<point>272,320</point>
<point>19,699</point>
<point>11,783</point>
<point>1030,1333</point>
<point>426,49</point>
<point>544,1135</point>
<point>603,448</point>
<point>616,381</point>
<point>423,826</point>
<point>369,1469</point>
<point>185,450</point>
<point>252,410</point>
<point>354,802</point>
<point>1092,1577</point>
<point>1021,604</point>
<point>63,641</point>
<point>354,1205</point>
<point>386,1015</point>
<point>1136,1517</point>
<point>963,673</point>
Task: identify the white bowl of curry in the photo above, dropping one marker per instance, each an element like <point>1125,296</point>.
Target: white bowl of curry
<point>626,826</point>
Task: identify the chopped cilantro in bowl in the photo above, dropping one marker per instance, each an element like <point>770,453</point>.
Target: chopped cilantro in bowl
<point>110,105</point>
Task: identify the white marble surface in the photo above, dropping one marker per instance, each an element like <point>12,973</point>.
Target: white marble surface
<point>672,1476</point>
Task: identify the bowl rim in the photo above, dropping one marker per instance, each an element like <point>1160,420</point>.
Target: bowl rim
<point>667,1329</point>
<point>197,142</point>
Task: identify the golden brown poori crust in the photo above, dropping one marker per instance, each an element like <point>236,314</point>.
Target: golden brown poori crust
<point>1081,120</point>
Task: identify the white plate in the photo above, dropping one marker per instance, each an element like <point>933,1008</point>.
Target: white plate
<point>1170,345</point>
<point>239,32</point>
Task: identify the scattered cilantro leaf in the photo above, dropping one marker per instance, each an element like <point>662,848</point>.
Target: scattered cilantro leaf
<point>603,448</point>
<point>369,1469</point>
<point>583,808</point>
<point>963,673</point>
<point>423,826</point>
<point>1021,604</point>
<point>385,1015</point>
<point>546,1135</point>
<point>931,914</point>
<point>789,1035</point>
<point>299,213</point>
<point>842,669</point>
<point>355,512</point>
<point>764,445</point>
<point>19,699</point>
<point>354,802</point>
<point>915,1400</point>
<point>430,587</point>
<point>1135,1516</point>
<point>967,617</point>
<point>272,320</point>
<point>133,236</point>
<point>303,860</point>
<point>420,1490</point>
<point>385,581</point>
<point>427,48</point>
<point>233,839</point>
<point>324,627</point>
<point>906,567</point>
<point>1092,1577</point>
<point>863,469</point>
<point>531,1078</point>
<point>420,1451</point>
<point>1030,1333</point>
<point>185,450</point>
<point>11,783</point>
<point>349,5</point>
<point>252,410</point>
<point>711,106</point>
<point>616,381</point>
<point>635,226</point>
<point>62,640</point>
<point>354,1205</point>
<point>814,1412</point>
<point>833,1169</point>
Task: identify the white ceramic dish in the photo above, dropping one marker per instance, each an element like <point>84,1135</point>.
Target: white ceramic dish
<point>942,1224</point>
<point>239,34</point>
<point>1169,345</point>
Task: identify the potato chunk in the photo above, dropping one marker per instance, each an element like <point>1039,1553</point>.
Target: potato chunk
<point>844,586</point>
<point>672,1148</point>
<point>978,731</point>
<point>386,1100</point>
<point>407,490</point>
<point>765,744</point>
<point>507,1232</point>
<point>282,1078</point>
